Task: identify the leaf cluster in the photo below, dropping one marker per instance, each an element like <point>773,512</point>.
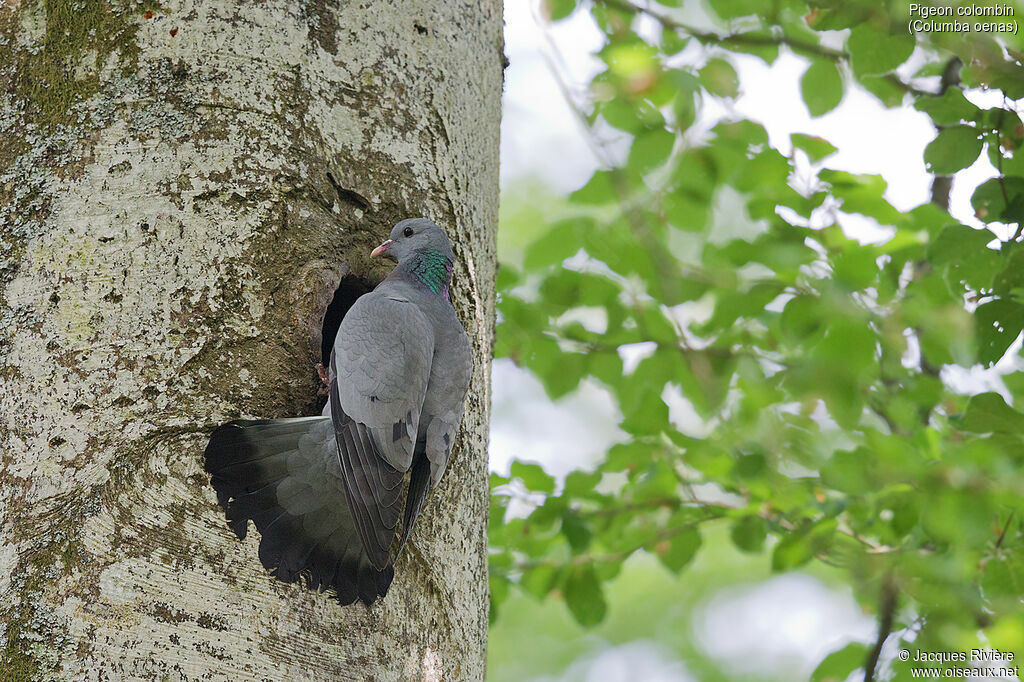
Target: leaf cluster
<point>823,421</point>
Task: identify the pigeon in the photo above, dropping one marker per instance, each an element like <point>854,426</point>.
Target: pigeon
<point>326,493</point>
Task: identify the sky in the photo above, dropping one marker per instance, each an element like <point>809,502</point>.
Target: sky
<point>791,621</point>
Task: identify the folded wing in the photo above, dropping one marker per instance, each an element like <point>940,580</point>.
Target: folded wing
<point>379,372</point>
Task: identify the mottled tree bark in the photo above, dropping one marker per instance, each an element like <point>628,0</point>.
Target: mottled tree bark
<point>183,186</point>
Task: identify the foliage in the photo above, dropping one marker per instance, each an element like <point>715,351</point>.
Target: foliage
<point>819,366</point>
<point>648,603</point>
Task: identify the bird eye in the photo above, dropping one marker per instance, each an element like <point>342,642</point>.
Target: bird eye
<point>407,232</point>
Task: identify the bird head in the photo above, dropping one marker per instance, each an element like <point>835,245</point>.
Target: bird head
<point>414,235</point>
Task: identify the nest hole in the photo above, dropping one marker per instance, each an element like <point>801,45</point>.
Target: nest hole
<point>349,289</point>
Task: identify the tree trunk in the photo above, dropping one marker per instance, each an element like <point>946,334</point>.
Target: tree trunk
<point>183,187</point>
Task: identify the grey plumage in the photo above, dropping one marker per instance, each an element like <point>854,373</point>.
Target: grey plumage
<point>326,493</point>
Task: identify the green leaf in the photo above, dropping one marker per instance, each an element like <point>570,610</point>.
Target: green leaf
<point>679,550</point>
<point>576,531</point>
<point>987,68</point>
<point>1000,199</point>
<point>837,666</point>
<point>802,545</point>
<point>875,52</point>
<point>850,344</point>
<point>507,278</point>
<point>855,267</point>
<point>950,108</point>
<point>562,240</point>
<point>714,462</point>
<point>539,580</point>
<point>581,483</point>
<point>801,318</point>
<point>559,371</point>
<point>956,516</point>
<point>639,393</point>
<point>847,471</point>
<point>829,16</point>
<point>498,592</point>
<point>584,596</point>
<point>704,378</point>
<point>684,108</point>
<point>687,210</point>
<point>794,550</point>
<point>963,254</point>
<point>882,87</point>
<point>600,189</point>
<point>630,115</point>
<point>864,194</point>
<point>821,87</point>
<point>648,414</point>
<point>989,413</point>
<point>625,456</point>
<point>997,324</point>
<point>731,9</point>
<point>630,58</point>
<point>817,148</point>
<point>606,366</point>
<point>844,360</point>
<point>559,9</point>
<point>650,149</point>
<point>1004,577</point>
<point>1009,281</point>
<point>533,477</point>
<point>749,466</point>
<point>953,149</point>
<point>719,77</point>
<point>748,533</point>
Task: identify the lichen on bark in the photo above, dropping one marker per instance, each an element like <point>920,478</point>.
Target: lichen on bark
<point>177,204</point>
<point>59,48</point>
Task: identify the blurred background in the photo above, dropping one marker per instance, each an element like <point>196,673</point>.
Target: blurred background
<point>742,244</point>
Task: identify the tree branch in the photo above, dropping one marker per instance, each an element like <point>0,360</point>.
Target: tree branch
<point>1006,527</point>
<point>726,40</point>
<point>886,615</point>
<point>730,40</point>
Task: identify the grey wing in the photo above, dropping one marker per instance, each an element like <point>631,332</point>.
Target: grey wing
<point>446,398</point>
<point>384,351</point>
<point>378,377</point>
<point>442,408</point>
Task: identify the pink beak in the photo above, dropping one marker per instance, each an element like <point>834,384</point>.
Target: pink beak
<point>382,249</point>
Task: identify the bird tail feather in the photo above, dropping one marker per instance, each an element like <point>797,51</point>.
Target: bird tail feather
<point>283,474</point>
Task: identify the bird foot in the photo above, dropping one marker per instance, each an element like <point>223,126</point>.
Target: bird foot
<point>325,380</point>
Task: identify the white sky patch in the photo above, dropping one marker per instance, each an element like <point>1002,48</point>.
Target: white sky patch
<point>593,318</point>
<point>540,134</point>
<point>572,433</point>
<point>869,137</point>
<point>632,353</point>
<point>783,626</point>
<point>639,660</point>
<point>977,379</point>
<point>682,415</point>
